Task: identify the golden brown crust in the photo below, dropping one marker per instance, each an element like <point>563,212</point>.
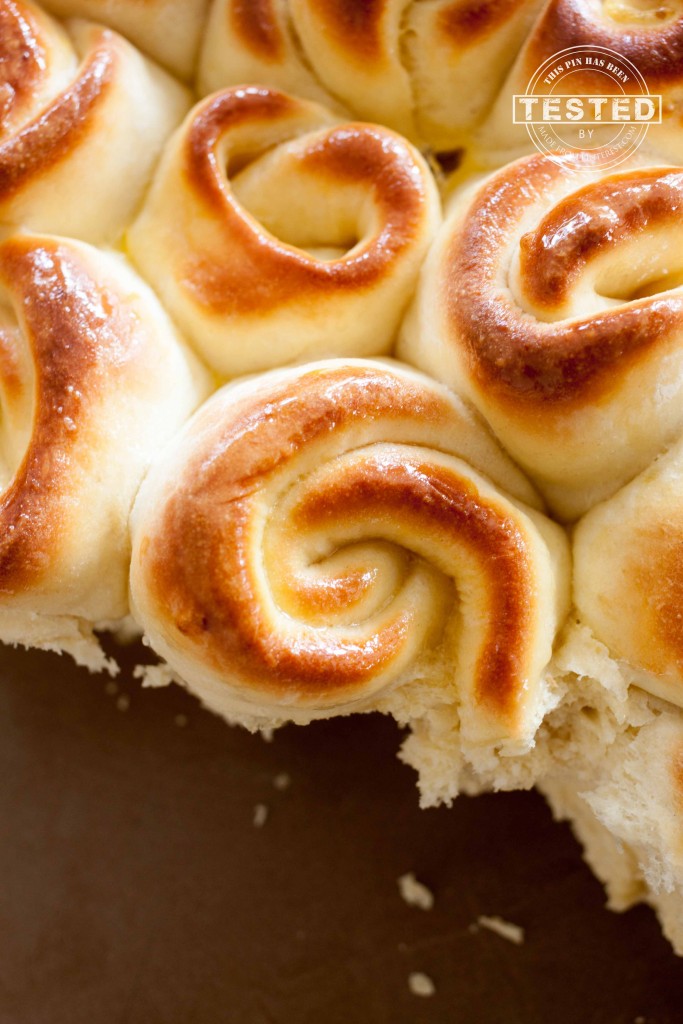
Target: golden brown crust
<point>199,575</point>
<point>425,497</point>
<point>229,109</point>
<point>91,109</point>
<point>255,26</point>
<point>527,362</point>
<point>251,277</point>
<point>22,60</point>
<point>467,23</point>
<point>589,223</point>
<point>656,51</point>
<point>55,133</point>
<point>70,323</point>
<point>355,27</point>
<point>300,412</point>
<point>658,573</point>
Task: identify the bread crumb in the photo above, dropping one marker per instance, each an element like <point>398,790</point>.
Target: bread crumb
<point>260,815</point>
<point>415,893</point>
<point>180,721</point>
<point>111,688</point>
<point>267,735</point>
<point>421,984</point>
<point>153,676</point>
<point>512,932</point>
<point>123,702</point>
<point>282,781</point>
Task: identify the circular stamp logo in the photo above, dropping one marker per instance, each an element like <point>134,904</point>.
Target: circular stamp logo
<point>589,103</point>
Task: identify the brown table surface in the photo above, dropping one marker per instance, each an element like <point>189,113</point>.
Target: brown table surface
<point>135,889</point>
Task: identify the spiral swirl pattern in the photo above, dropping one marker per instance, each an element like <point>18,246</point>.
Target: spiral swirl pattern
<point>323,535</point>
<point>211,244</point>
<point>552,300</point>
<point>649,35</point>
<point>74,107</point>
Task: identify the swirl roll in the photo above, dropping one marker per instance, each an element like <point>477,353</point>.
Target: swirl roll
<point>406,64</point>
<point>552,300</point>
<point>649,35</point>
<point>92,382</point>
<point>167,30</point>
<point>355,203</point>
<point>320,538</point>
<point>82,119</point>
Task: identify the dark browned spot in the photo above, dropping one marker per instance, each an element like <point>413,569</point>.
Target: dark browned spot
<point>255,24</point>
<point>356,25</point>
<point>449,160</point>
<point>467,22</point>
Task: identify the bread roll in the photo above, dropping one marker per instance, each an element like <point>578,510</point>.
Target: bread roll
<point>247,42</point>
<point>458,54</point>
<point>628,582</point>
<point>409,65</point>
<point>167,30</point>
<point>630,823</point>
<point>649,35</point>
<point>93,381</point>
<point>609,759</point>
<point>552,301</point>
<point>82,119</point>
<point>323,540</point>
<point>614,769</point>
<point>313,247</point>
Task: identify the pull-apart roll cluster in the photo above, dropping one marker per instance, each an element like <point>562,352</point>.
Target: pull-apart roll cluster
<point>450,489</point>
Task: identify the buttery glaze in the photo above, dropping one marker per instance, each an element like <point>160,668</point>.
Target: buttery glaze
<point>77,335</point>
<point>74,100</point>
<point>57,132</point>
<point>92,381</point>
<point>290,560</point>
<point>23,62</point>
<point>573,361</point>
<point>552,300</point>
<point>255,272</point>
